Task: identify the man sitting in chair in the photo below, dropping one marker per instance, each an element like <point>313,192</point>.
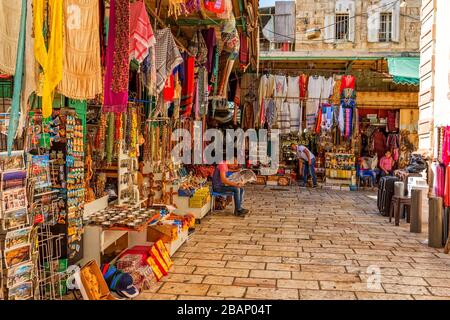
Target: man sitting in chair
<point>222,184</point>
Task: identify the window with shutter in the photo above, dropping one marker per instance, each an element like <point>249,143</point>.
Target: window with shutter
<point>373,24</point>
<point>345,20</point>
<point>329,29</point>
<point>396,22</point>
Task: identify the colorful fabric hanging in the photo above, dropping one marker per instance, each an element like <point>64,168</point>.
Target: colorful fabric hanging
<point>50,59</point>
<point>14,114</point>
<point>167,56</point>
<point>117,54</point>
<point>209,36</point>
<point>187,93</point>
<point>141,32</point>
<point>446,146</point>
<point>216,6</point>
<point>82,70</point>
<point>29,70</point>
<point>10,13</point>
<point>348,122</point>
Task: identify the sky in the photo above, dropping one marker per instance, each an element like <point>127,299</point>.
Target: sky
<point>266,3</point>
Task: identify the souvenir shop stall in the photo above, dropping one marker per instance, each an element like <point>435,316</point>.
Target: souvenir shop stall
<point>324,113</point>
<point>90,191</point>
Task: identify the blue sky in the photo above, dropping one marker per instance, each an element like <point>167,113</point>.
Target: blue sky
<point>266,3</point>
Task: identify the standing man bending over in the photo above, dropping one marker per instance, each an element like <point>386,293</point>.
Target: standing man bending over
<point>309,162</point>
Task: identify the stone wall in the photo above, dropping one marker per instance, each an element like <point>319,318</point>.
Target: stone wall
<point>311,14</point>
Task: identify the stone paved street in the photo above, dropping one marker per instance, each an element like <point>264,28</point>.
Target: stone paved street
<point>305,244</point>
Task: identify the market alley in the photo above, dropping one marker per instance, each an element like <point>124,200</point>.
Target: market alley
<point>305,244</point>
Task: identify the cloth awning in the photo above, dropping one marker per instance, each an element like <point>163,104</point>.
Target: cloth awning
<point>404,70</point>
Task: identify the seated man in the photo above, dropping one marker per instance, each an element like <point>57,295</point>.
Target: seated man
<point>221,184</point>
<point>387,164</point>
<point>365,169</point>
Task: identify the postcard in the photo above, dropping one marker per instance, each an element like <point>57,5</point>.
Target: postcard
<point>23,291</point>
<point>15,219</point>
<point>17,238</point>
<point>19,274</point>
<point>15,161</point>
<point>17,255</point>
<point>13,199</point>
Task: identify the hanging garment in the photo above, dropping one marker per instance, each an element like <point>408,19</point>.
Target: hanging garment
<point>117,67</point>
<point>311,113</point>
<point>379,143</point>
<point>167,57</point>
<point>270,110</point>
<point>303,85</point>
<point>169,89</point>
<point>446,146</point>
<point>348,122</point>
<point>348,82</point>
<point>280,91</point>
<point>266,90</point>
<point>243,51</point>
<point>341,120</point>
<point>82,70</point>
<point>280,87</point>
<point>390,121</point>
<point>10,12</point>
<point>15,106</point>
<point>327,88</point>
<point>294,114</point>
<point>216,6</point>
<point>315,84</point>
<point>318,121</point>
<point>293,89</point>
<point>336,97</point>
<point>29,70</point>
<point>187,93</point>
<point>284,121</point>
<point>209,35</point>
<point>141,32</point>
<point>203,91</point>
<point>247,116</point>
<point>447,187</point>
<point>148,69</point>
<point>50,59</point>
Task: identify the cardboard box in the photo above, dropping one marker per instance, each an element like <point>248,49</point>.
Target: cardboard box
<point>94,285</point>
<point>164,232</point>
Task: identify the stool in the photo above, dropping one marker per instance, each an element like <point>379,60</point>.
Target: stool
<point>218,194</point>
<point>398,204</point>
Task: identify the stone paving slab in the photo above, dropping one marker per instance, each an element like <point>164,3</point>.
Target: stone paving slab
<point>305,244</point>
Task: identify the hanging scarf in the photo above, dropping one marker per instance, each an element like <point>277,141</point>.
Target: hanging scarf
<point>141,32</point>
<point>117,67</point>
<point>29,70</point>
<point>17,79</point>
<point>82,70</point>
<point>50,59</point>
<point>167,57</point>
<point>10,13</point>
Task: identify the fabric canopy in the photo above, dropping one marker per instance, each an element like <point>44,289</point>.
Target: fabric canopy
<point>404,70</point>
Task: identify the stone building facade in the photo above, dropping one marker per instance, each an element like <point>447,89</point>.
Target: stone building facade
<point>367,19</point>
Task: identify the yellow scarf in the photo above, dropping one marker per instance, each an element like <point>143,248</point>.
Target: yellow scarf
<point>51,60</point>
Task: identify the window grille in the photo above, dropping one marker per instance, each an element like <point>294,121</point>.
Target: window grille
<point>342,26</point>
<point>385,34</point>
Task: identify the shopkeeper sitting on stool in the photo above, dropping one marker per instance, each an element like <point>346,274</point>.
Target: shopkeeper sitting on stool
<point>221,184</point>
<point>387,164</point>
<point>309,162</point>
